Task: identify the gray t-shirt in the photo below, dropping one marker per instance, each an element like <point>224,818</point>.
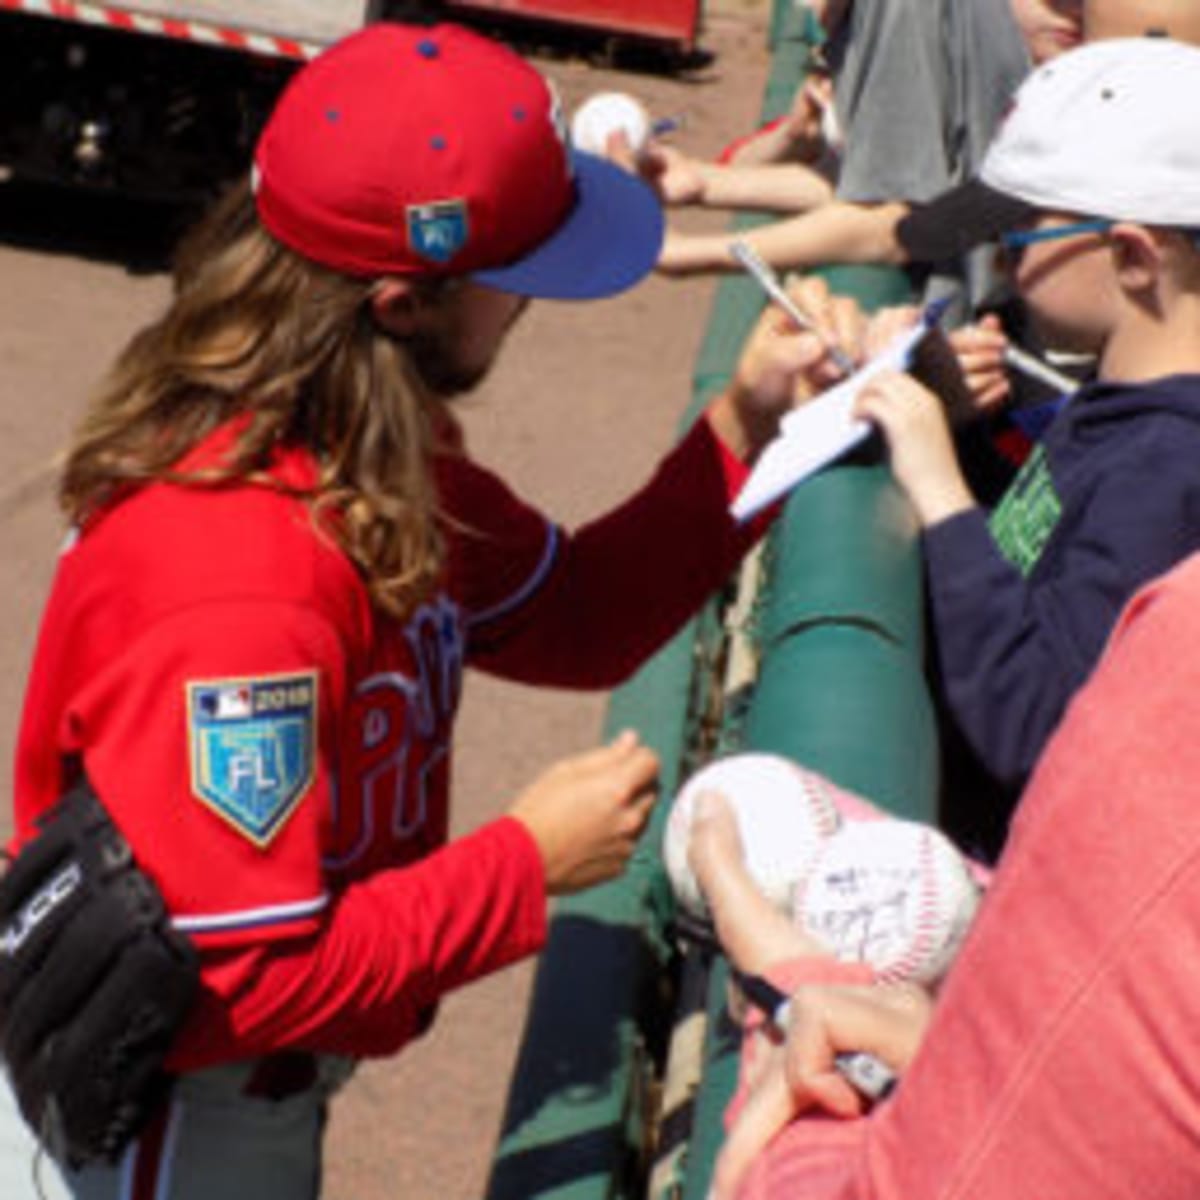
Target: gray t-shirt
<point>920,87</point>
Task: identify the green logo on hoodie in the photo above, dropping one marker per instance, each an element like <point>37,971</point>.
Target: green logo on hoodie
<point>1027,514</point>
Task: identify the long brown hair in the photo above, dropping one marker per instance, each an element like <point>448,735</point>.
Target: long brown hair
<point>257,332</point>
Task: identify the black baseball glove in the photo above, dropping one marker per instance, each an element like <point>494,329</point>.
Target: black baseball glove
<point>94,983</point>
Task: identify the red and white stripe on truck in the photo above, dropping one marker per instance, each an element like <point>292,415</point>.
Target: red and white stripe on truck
<point>182,30</point>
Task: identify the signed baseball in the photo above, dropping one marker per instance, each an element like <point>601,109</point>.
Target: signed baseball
<point>894,894</point>
<point>605,113</point>
<point>782,811</point>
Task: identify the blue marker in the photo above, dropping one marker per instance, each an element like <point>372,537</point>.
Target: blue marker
<point>864,1072</point>
<point>666,125</point>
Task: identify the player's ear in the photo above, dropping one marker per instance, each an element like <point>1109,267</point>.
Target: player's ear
<point>399,306</point>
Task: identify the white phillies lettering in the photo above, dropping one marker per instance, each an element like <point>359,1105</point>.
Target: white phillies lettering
<point>40,907</point>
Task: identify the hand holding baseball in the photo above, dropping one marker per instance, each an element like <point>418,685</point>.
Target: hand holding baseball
<point>677,178</point>
<point>587,812</point>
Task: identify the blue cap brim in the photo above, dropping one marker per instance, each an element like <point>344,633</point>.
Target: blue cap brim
<point>610,240</point>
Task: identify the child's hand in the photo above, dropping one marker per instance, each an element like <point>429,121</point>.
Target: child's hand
<point>886,325</point>
<point>586,812</point>
<point>980,352</point>
<point>962,368</point>
<point>805,120</point>
<point>922,453</point>
<point>676,178</point>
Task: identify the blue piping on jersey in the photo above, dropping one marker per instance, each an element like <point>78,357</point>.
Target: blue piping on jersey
<point>252,918</point>
<point>531,585</point>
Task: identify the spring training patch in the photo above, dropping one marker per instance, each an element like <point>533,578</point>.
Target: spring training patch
<point>1027,514</point>
<point>437,231</point>
<point>252,746</point>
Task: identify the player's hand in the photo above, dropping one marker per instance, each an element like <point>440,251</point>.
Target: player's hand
<point>781,367</point>
<point>923,458</point>
<point>586,812</point>
<point>980,349</point>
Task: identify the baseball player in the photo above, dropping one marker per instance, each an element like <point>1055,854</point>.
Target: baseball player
<point>283,558</point>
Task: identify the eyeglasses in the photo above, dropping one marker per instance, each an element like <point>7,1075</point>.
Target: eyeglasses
<point>1015,242</point>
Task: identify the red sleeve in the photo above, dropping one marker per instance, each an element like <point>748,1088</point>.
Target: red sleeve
<point>367,982</point>
<point>229,874</point>
<point>726,155</point>
<point>285,963</point>
<point>601,600</point>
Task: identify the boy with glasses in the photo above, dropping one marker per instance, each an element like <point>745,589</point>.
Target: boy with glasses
<point>1092,186</point>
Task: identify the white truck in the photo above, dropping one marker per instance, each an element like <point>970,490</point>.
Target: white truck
<point>164,98</point>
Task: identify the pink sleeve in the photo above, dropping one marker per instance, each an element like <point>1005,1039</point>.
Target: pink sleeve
<point>229,874</point>
<point>1060,1059</point>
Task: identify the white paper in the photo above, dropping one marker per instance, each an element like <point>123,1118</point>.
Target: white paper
<point>819,431</point>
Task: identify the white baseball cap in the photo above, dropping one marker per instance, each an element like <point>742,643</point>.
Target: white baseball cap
<point>1111,129</point>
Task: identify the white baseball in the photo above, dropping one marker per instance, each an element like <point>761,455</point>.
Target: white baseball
<point>894,894</point>
<point>782,811</point>
<point>604,114</point>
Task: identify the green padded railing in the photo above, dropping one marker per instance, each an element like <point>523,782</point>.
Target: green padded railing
<point>837,633</point>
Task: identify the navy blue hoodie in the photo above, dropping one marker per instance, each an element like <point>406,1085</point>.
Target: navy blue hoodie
<point>1023,598</point>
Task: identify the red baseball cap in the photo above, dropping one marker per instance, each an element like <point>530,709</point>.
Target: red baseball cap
<point>434,151</point>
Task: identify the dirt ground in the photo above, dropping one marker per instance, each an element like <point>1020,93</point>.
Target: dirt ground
<point>583,403</point>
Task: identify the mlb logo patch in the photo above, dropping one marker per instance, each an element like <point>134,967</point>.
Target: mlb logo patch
<point>438,231</point>
<point>252,748</point>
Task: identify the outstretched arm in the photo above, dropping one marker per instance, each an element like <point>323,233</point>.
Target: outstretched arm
<point>841,232</point>
<point>613,591</point>
<point>680,179</point>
